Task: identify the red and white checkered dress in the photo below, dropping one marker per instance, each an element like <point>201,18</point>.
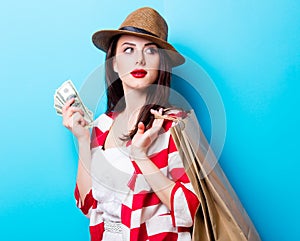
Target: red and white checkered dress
<point>143,215</point>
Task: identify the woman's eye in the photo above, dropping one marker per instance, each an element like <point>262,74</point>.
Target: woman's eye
<point>151,50</point>
<point>128,50</point>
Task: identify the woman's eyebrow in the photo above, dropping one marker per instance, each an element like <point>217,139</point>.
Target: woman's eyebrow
<point>128,43</point>
<point>147,44</point>
<point>133,44</point>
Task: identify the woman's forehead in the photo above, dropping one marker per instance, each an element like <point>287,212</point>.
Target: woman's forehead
<point>126,38</point>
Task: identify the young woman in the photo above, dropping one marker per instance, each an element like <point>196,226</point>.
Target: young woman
<point>131,182</point>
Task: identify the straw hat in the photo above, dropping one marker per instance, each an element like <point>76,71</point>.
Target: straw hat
<point>146,23</point>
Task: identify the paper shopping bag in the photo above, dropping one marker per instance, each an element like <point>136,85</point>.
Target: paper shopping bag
<point>220,216</point>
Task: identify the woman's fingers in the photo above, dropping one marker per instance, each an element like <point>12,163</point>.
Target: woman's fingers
<point>158,122</point>
<point>156,113</point>
<point>141,128</point>
<point>73,120</point>
<point>67,105</point>
<point>144,139</point>
<point>72,115</point>
<point>152,133</point>
<point>71,110</point>
<point>77,119</point>
<point>68,110</point>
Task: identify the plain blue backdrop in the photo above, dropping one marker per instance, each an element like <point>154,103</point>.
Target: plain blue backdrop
<point>251,50</point>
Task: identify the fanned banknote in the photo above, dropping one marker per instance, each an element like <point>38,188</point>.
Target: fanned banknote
<point>64,93</point>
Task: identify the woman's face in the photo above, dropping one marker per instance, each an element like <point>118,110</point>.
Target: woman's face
<point>136,62</point>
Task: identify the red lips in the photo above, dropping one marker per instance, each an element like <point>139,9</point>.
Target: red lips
<point>139,73</point>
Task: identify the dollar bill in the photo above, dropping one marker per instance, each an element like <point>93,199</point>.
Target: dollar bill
<point>66,92</point>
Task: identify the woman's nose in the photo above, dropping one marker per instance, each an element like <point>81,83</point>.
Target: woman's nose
<point>140,58</point>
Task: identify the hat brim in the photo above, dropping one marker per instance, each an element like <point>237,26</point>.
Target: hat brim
<point>103,38</point>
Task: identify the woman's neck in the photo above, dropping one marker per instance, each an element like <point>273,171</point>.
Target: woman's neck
<point>135,100</point>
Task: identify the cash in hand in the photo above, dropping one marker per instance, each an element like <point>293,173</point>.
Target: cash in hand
<point>66,92</point>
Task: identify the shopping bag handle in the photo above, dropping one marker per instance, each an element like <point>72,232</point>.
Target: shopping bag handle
<point>167,117</point>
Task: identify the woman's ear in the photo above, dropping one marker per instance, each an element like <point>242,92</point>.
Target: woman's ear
<point>115,66</point>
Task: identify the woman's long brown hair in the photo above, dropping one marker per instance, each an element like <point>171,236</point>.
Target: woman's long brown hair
<point>158,93</point>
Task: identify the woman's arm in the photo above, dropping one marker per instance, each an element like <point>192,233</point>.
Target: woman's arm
<point>83,180</point>
<point>142,140</point>
<point>74,121</point>
<point>160,184</point>
<point>174,190</point>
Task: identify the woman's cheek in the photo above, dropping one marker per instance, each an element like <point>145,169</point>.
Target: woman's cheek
<point>125,68</point>
<point>125,63</point>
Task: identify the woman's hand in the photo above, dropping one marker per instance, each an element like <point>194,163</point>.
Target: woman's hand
<point>74,121</point>
<point>142,140</point>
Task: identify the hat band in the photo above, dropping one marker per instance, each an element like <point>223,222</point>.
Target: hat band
<point>137,30</point>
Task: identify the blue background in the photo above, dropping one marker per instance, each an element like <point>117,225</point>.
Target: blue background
<point>251,49</point>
